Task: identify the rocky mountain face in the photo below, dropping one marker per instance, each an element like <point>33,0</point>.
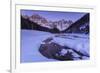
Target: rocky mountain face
<point>60,24</point>
<point>38,22</point>
<point>29,25</point>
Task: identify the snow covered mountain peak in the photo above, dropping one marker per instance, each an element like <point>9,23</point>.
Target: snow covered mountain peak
<point>42,21</point>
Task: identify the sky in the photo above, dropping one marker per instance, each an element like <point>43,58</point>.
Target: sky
<point>55,15</point>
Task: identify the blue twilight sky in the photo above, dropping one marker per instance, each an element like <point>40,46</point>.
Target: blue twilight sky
<point>55,15</point>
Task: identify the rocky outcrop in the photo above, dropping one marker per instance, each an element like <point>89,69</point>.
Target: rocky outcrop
<point>55,51</point>
<point>52,50</point>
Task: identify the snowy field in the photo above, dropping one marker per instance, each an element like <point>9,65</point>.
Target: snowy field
<point>32,39</point>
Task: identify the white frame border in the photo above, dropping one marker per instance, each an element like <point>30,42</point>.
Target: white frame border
<point>15,56</point>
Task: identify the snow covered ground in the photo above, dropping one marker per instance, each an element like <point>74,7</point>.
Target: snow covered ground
<point>32,39</point>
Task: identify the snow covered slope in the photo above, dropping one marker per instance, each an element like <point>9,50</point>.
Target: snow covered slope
<point>30,43</point>
<point>32,39</point>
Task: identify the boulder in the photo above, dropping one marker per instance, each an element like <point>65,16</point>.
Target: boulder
<point>55,51</point>
<point>49,50</point>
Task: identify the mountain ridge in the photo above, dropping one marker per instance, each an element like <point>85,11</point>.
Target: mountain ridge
<point>80,26</point>
<point>42,21</point>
